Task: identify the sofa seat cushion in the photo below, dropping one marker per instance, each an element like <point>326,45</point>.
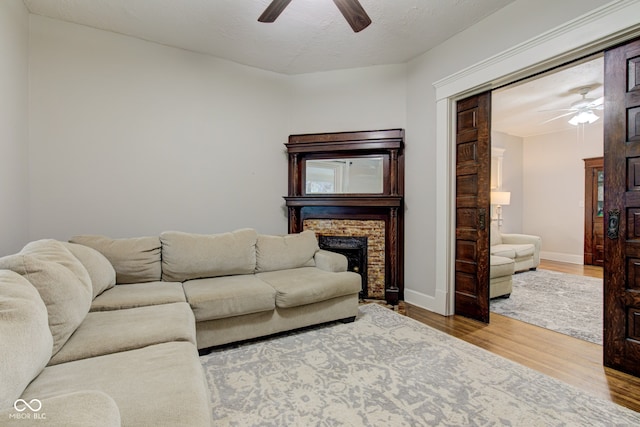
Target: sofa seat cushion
<point>228,296</point>
<point>138,295</point>
<point>158,385</point>
<point>62,282</point>
<point>25,337</point>
<point>307,285</point>
<point>505,251</point>
<point>500,266</point>
<point>106,332</point>
<point>524,250</point>
<point>135,260</point>
<point>187,256</point>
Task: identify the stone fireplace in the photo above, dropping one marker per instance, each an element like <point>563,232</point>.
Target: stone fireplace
<point>372,232</point>
<point>331,192</point>
<point>362,242</point>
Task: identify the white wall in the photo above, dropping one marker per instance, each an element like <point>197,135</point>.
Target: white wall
<point>511,179</point>
<point>553,173</point>
<point>349,100</point>
<point>508,27</point>
<point>545,175</point>
<point>14,185</point>
<point>131,138</point>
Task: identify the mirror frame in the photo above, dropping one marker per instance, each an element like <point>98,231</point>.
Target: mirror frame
<point>386,143</point>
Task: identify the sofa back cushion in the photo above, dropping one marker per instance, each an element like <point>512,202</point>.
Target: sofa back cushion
<point>495,237</point>
<point>187,256</point>
<point>26,341</point>
<point>100,270</point>
<point>135,260</point>
<point>62,282</point>
<point>285,252</point>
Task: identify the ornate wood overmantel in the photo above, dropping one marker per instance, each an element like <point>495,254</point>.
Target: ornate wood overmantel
<point>386,205</point>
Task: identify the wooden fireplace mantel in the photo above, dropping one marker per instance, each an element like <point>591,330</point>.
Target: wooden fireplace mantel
<point>386,206</point>
<point>363,201</point>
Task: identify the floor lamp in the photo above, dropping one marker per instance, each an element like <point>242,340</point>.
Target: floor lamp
<point>500,199</point>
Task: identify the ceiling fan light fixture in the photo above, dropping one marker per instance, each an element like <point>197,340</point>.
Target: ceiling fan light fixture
<point>583,117</point>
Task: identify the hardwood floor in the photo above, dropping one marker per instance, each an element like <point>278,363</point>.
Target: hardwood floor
<point>568,359</point>
<point>563,267</point>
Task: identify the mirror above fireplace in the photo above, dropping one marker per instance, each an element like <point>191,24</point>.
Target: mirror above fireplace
<point>348,175</point>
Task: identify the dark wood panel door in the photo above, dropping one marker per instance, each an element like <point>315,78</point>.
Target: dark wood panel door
<point>473,173</point>
<point>594,211</point>
<point>622,208</point>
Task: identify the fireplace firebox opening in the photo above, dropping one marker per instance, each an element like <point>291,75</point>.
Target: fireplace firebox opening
<point>355,249</point>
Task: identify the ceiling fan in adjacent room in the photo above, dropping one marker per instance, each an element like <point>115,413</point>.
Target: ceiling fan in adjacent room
<point>581,110</point>
<point>352,11</point>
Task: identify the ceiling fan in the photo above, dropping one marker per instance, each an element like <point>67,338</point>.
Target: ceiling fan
<point>581,110</point>
<point>352,11</point>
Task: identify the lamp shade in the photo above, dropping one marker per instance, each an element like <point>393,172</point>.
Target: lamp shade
<point>502,198</point>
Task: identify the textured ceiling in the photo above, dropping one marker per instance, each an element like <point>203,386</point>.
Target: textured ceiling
<point>309,36</point>
<point>521,109</point>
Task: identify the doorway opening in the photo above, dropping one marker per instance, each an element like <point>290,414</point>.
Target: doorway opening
<point>542,131</point>
<point>577,39</point>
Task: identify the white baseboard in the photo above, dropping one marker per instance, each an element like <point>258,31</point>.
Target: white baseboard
<point>562,257</point>
<point>428,302</point>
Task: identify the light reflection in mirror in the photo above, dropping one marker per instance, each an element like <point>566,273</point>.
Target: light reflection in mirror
<point>363,175</point>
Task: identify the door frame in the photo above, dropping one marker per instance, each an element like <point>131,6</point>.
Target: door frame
<point>591,166</point>
<point>591,33</point>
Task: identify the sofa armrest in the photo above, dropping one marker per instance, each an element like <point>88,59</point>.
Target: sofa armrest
<point>330,261</point>
<point>83,408</point>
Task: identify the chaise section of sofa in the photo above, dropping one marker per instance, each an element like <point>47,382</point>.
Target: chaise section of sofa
<point>136,366</point>
<point>159,385</point>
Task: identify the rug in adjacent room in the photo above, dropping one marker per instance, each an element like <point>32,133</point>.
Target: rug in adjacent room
<point>385,369</point>
<point>565,303</point>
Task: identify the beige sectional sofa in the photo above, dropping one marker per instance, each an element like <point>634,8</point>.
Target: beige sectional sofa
<point>102,331</point>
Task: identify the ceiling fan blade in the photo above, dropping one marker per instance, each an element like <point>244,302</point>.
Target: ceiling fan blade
<point>558,109</point>
<point>274,10</point>
<point>558,117</point>
<point>354,13</point>
<point>598,104</point>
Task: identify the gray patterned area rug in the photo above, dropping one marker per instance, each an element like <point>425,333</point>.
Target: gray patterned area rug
<point>565,303</point>
<point>386,369</point>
